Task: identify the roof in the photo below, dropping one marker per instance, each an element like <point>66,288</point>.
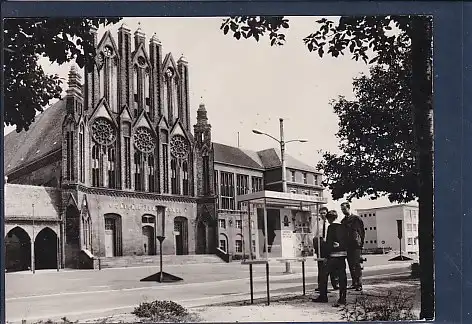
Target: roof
<point>281,198</point>
<point>266,159</point>
<point>271,159</point>
<point>47,202</point>
<point>43,137</point>
<point>410,204</point>
<point>234,156</point>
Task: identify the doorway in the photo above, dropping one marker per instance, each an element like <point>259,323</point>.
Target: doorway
<point>45,249</point>
<point>110,237</point>
<point>181,235</point>
<point>148,240</point>
<point>17,250</point>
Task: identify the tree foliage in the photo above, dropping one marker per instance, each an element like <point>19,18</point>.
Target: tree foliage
<point>28,88</point>
<point>376,139</point>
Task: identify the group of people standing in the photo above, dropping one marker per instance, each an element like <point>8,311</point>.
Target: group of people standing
<point>338,242</point>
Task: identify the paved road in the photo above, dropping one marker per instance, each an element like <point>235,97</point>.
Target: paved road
<point>84,294</point>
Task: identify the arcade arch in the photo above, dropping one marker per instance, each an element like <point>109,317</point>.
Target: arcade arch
<point>17,250</point>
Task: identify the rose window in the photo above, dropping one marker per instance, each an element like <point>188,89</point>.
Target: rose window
<point>103,132</point>
<point>178,146</point>
<point>143,140</point>
<point>141,61</point>
<point>108,51</point>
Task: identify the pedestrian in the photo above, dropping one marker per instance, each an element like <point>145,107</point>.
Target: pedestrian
<point>336,260</point>
<point>355,234</point>
<point>323,211</point>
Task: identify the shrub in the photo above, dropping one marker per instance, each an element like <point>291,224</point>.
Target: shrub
<point>390,307</point>
<point>164,311</point>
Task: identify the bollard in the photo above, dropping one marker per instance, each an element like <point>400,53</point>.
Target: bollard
<point>288,267</point>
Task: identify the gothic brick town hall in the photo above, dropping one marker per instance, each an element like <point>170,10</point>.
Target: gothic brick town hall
<point>88,178</point>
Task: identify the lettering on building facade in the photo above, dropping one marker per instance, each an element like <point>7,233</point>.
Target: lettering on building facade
<point>148,208</point>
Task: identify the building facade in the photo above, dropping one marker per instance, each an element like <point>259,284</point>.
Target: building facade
<point>98,170</point>
<point>238,172</point>
<point>381,228</point>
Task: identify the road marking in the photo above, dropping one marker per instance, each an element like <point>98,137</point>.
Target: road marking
<point>195,284</point>
<point>257,294</point>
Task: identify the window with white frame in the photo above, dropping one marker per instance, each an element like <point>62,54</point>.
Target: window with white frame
<point>223,245</point>
<point>242,184</point>
<point>410,241</point>
<point>292,175</point>
<point>227,190</point>
<point>305,179</point>
<point>253,246</point>
<point>257,184</point>
<point>238,223</point>
<point>409,227</point>
<point>239,246</point>
<point>222,223</point>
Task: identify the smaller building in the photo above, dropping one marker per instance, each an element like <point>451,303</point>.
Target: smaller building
<point>381,232</point>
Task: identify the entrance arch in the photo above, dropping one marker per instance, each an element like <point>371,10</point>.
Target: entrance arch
<point>45,249</point>
<point>149,234</point>
<point>17,250</point>
<point>181,235</point>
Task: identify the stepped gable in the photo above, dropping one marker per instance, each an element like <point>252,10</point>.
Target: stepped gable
<point>271,159</point>
<point>234,156</point>
<point>43,137</point>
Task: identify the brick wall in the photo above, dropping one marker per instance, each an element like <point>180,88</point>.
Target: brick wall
<point>131,211</point>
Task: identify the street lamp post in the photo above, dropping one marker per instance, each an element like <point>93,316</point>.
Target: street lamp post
<point>282,143</point>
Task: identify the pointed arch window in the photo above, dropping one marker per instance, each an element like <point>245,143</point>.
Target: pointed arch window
<point>165,161</point>
<point>70,155</point>
<point>171,94</point>
<point>111,167</point>
<point>138,171</point>
<point>206,175</point>
<point>173,167</point>
<point>127,154</point>
<point>87,232</point>
<point>81,153</point>
<point>135,91</point>
<point>96,159</point>
<point>141,83</point>
<point>185,182</point>
<point>151,173</point>
<point>108,71</point>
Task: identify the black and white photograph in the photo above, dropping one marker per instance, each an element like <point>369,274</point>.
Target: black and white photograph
<point>218,169</point>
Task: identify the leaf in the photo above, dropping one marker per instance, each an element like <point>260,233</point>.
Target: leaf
<point>237,35</point>
<point>226,29</point>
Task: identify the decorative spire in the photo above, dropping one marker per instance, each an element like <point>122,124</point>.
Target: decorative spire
<point>155,39</point>
<point>74,78</point>
<point>202,117</point>
<point>139,31</point>
<point>125,27</point>
<point>182,59</point>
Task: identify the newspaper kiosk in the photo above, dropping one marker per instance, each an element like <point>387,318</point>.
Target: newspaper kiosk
<point>286,226</point>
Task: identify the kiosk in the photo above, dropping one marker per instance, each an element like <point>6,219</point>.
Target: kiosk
<point>286,226</point>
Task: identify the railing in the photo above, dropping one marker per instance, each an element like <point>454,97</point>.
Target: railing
<point>225,256</point>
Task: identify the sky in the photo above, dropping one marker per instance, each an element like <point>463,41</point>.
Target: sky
<point>249,85</point>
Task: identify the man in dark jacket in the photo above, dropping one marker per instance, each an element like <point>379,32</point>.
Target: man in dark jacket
<point>355,234</point>
<point>322,268</point>
<point>336,260</point>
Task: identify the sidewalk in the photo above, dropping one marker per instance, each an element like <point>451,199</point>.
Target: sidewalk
<point>285,306</point>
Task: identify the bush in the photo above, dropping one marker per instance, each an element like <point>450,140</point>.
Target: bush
<point>415,270</point>
<point>164,311</point>
<point>64,320</point>
<point>390,307</point>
